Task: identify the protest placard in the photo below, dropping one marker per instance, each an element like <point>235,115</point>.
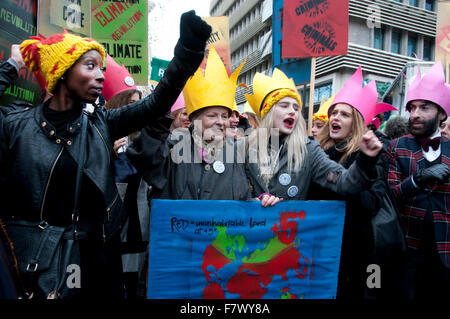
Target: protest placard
<point>220,39</point>
<point>231,249</point>
<point>18,23</point>
<point>121,27</point>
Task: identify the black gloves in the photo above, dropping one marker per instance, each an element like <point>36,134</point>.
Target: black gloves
<point>436,173</point>
<point>194,32</point>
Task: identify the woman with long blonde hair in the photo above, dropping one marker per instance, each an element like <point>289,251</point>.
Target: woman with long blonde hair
<point>282,160</point>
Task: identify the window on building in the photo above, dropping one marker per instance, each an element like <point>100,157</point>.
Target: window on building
<point>378,38</point>
<point>322,92</point>
<point>413,3</point>
<point>427,49</point>
<point>429,5</point>
<point>412,45</point>
<point>396,41</point>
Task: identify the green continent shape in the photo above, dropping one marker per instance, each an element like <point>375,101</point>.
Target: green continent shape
<point>228,244</point>
<point>272,249</point>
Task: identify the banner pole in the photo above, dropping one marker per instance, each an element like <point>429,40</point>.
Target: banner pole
<point>311,95</point>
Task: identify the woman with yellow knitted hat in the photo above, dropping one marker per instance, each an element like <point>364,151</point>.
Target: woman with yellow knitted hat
<point>200,163</point>
<point>283,157</point>
<point>40,153</point>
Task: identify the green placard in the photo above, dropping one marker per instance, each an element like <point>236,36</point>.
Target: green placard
<point>121,26</point>
<point>158,68</point>
<point>18,22</point>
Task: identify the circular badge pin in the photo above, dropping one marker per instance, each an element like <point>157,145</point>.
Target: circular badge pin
<point>129,81</point>
<point>292,191</point>
<point>284,179</point>
<point>219,167</point>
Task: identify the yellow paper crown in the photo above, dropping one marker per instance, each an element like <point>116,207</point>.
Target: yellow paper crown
<point>214,88</point>
<point>235,108</point>
<point>263,85</point>
<point>322,113</point>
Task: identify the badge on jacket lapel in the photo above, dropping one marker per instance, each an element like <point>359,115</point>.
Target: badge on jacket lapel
<point>284,179</point>
<point>218,167</point>
<point>292,191</point>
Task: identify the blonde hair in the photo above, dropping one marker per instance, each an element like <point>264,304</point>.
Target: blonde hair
<point>295,142</point>
<point>353,140</point>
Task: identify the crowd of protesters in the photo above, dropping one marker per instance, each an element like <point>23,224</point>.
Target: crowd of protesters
<point>172,144</point>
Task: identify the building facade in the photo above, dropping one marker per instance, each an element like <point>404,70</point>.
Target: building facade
<point>384,35</point>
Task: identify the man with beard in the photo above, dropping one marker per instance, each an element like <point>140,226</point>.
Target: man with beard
<point>418,176</point>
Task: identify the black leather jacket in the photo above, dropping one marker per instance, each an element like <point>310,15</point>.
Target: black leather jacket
<point>29,148</point>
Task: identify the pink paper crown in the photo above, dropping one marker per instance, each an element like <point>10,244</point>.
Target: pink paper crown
<point>117,79</point>
<point>179,103</point>
<point>430,87</point>
<point>364,99</point>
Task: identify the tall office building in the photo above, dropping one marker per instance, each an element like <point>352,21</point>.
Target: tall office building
<point>384,35</point>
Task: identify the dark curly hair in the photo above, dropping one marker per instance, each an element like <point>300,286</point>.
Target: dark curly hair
<point>396,127</point>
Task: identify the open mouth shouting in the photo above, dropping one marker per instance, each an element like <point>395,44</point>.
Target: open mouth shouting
<point>289,122</point>
<point>335,128</point>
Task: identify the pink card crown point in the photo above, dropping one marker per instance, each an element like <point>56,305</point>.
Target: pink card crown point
<point>117,79</point>
<point>179,103</point>
<point>430,87</point>
<point>363,99</point>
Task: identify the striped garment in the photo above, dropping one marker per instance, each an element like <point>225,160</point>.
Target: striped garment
<point>405,158</point>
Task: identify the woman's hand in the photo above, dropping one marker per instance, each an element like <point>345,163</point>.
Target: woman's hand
<point>17,55</point>
<point>370,144</point>
<point>269,200</point>
<point>118,144</point>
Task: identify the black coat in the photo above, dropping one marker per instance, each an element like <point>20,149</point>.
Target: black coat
<point>29,147</point>
<point>357,245</point>
<point>152,155</point>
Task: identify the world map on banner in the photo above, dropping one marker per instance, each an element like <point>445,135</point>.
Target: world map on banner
<point>230,249</point>
<point>231,264</point>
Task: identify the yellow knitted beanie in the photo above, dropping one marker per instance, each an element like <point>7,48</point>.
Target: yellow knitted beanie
<point>277,95</point>
<point>49,58</point>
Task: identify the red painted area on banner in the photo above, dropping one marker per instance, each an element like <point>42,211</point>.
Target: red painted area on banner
<point>313,28</point>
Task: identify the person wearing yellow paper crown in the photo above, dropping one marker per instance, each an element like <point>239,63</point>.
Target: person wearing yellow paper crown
<point>283,157</point>
<point>238,125</point>
<point>195,164</point>
<point>320,118</point>
<point>40,155</point>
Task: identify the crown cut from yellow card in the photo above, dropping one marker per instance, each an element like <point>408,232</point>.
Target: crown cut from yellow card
<point>214,88</point>
<point>263,85</point>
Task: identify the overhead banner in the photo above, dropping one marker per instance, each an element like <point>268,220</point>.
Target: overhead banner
<point>18,23</point>
<point>297,69</point>
<point>231,249</point>
<point>313,28</point>
<point>443,37</point>
<point>57,15</point>
<point>220,38</point>
<point>121,27</point>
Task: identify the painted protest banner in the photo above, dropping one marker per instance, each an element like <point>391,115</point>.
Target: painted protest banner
<point>220,38</point>
<point>297,69</point>
<point>442,51</point>
<point>313,28</point>
<point>121,27</point>
<point>56,15</point>
<point>230,249</point>
<point>18,23</point>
